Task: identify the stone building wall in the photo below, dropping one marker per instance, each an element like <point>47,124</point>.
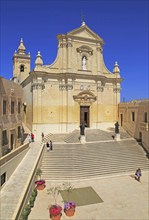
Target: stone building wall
<point>134,118</point>
<point>10,123</point>
<point>76,88</point>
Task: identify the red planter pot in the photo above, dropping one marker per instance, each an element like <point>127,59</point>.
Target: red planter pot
<point>57,217</point>
<point>40,187</point>
<point>69,212</point>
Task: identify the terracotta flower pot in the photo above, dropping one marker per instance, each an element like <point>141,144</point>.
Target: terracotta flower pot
<point>57,217</point>
<point>69,212</point>
<point>55,212</point>
<point>40,187</point>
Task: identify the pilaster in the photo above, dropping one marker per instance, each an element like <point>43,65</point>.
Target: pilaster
<point>37,87</point>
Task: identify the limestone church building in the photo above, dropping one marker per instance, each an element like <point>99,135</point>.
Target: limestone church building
<point>76,88</point>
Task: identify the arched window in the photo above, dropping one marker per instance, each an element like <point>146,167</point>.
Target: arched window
<point>21,68</point>
<point>84,59</point>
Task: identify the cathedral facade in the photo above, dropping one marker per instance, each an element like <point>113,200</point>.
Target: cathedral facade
<point>76,88</point>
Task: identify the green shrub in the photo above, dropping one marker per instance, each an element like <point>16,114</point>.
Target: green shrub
<point>28,209</point>
<point>24,215</point>
<point>31,201</point>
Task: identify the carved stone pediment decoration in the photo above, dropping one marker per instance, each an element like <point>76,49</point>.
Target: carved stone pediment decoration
<point>85,97</point>
<point>85,49</point>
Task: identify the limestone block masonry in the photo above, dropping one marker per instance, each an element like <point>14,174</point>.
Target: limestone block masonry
<point>76,88</point>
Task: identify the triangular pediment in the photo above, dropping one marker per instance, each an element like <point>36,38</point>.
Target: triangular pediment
<point>86,33</point>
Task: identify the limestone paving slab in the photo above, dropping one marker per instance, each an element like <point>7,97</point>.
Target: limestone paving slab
<point>123,199</point>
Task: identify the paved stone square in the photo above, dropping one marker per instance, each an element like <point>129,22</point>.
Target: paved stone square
<point>123,199</point>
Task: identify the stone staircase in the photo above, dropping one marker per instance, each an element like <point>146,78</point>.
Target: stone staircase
<point>55,137</point>
<point>92,160</point>
<point>91,135</point>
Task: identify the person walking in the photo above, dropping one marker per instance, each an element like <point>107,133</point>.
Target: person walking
<point>51,145</point>
<point>42,136</point>
<point>138,174</point>
<point>32,137</point>
<point>48,146</point>
<point>29,138</point>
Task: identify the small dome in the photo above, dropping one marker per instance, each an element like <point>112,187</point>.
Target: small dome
<point>21,48</point>
<point>38,61</point>
<point>116,68</point>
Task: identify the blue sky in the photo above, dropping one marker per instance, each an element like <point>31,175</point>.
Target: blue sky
<point>123,25</point>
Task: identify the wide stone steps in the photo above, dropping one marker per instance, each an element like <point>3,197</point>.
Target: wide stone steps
<point>92,160</point>
<point>91,135</point>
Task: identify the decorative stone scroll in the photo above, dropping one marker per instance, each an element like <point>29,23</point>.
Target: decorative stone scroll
<point>99,49</point>
<point>116,90</point>
<point>100,86</point>
<point>38,84</point>
<point>64,44</point>
<point>85,49</point>
<point>65,87</point>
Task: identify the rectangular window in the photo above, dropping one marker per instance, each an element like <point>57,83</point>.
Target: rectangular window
<point>19,132</point>
<point>4,138</point>
<point>19,107</point>
<point>12,107</point>
<point>3,178</point>
<point>145,117</point>
<point>133,116</point>
<point>4,107</point>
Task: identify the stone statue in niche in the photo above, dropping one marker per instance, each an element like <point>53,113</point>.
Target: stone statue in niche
<point>84,63</point>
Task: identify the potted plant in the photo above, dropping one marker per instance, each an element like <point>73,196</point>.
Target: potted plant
<point>69,206</point>
<point>40,183</point>
<point>55,211</point>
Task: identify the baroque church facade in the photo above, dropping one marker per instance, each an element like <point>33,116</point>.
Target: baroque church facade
<point>76,88</point>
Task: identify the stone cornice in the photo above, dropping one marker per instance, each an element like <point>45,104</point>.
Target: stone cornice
<point>22,56</point>
<point>75,76</point>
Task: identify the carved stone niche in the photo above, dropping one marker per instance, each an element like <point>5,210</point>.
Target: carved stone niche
<point>85,49</point>
<point>85,97</point>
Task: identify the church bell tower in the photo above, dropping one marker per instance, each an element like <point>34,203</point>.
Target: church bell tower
<point>21,64</point>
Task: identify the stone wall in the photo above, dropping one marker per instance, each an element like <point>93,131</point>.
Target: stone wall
<point>132,118</point>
